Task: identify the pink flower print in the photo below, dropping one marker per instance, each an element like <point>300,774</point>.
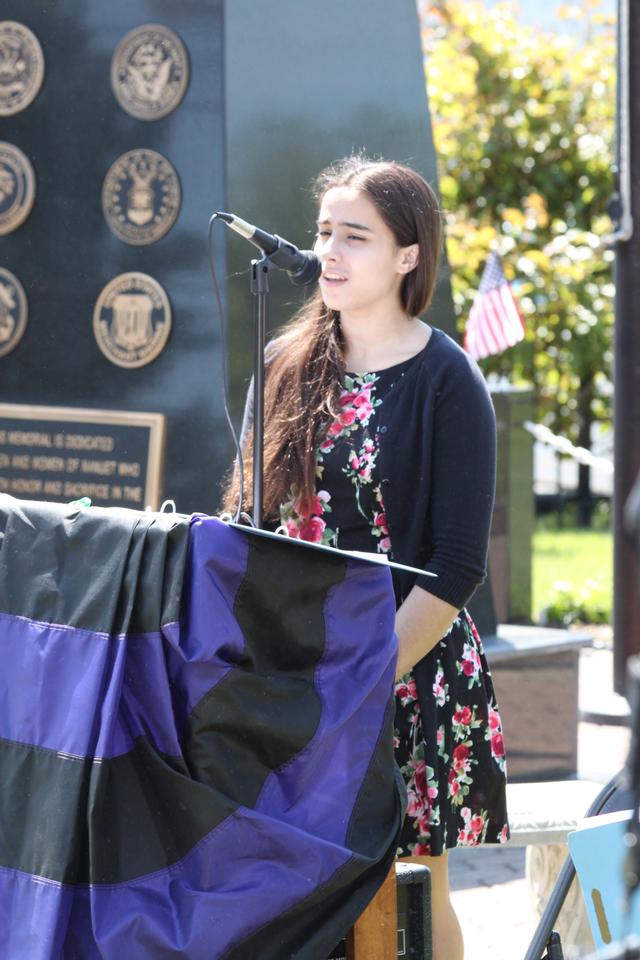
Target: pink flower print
<point>440,688</point>
<point>497,745</point>
<point>292,529</point>
<point>354,460</point>
<point>385,545</point>
<point>424,824</point>
<point>381,521</point>
<point>419,775</point>
<point>460,757</point>
<point>504,834</point>
<point>475,827</point>
<point>363,398</point>
<point>363,413</point>
<point>312,530</point>
<point>347,397</point>
<point>463,716</point>
<point>308,508</point>
<point>407,691</point>
<point>470,664</point>
<point>335,429</point>
<point>421,850</point>
<point>415,805</point>
<point>440,736</point>
<point>474,632</point>
<point>476,824</point>
<point>369,445</point>
<point>494,719</point>
<point>347,418</point>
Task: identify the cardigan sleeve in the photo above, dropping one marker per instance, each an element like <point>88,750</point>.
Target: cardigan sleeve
<point>462,483</point>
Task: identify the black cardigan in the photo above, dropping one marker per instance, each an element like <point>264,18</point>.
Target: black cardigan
<point>437,468</point>
<point>437,463</point>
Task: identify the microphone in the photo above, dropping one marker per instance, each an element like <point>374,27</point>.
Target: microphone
<point>302,266</point>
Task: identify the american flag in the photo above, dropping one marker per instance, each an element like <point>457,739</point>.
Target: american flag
<point>494,321</point>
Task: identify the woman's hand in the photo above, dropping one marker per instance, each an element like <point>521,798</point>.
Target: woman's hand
<point>421,622</point>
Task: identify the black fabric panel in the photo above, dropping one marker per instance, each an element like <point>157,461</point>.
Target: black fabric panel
<point>82,821</point>
<point>263,714</point>
<point>111,571</point>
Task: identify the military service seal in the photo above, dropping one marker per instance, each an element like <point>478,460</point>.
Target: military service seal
<point>17,188</point>
<point>132,320</point>
<point>149,72</point>
<point>21,67</point>
<point>141,197</point>
<point>13,311</point>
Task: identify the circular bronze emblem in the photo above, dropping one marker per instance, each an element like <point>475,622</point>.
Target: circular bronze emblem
<point>132,320</point>
<point>13,311</point>
<point>17,188</point>
<point>21,67</point>
<point>149,72</point>
<point>141,197</point>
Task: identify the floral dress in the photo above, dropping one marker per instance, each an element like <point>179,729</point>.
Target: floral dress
<point>448,739</point>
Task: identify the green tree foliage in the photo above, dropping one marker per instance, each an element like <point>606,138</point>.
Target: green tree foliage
<point>524,126</point>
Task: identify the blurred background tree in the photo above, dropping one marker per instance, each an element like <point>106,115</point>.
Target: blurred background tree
<point>524,127</point>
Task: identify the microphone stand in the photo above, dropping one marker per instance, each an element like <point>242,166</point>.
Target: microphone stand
<point>259,289</point>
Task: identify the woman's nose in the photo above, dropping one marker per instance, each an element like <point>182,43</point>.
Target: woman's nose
<point>327,248</point>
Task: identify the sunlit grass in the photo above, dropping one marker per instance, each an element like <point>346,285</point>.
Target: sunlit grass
<point>581,560</point>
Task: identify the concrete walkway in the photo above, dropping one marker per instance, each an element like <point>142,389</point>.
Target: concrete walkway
<point>490,892</point>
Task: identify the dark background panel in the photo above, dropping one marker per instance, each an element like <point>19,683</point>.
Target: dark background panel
<point>64,254</point>
<point>276,91</point>
<point>336,78</point>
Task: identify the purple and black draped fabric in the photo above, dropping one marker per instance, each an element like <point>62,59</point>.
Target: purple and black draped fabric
<point>196,752</point>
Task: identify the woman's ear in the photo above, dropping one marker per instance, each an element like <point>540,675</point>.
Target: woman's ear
<point>409,257</point>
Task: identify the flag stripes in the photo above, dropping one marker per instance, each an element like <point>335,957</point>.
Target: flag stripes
<point>196,738</point>
<point>494,323</point>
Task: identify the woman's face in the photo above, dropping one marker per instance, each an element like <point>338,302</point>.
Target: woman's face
<point>362,265</point>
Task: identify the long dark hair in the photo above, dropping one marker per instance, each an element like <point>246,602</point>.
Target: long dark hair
<point>307,367</point>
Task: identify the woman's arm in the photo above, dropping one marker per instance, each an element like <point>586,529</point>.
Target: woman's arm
<point>421,621</point>
<point>461,494</point>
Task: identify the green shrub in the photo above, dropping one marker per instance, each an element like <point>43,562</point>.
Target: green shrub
<point>589,604</point>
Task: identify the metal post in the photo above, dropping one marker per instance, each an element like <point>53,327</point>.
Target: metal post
<point>260,289</point>
<point>626,612</point>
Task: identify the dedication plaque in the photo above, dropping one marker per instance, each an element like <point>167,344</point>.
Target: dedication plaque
<point>21,67</point>
<point>13,311</point>
<point>141,197</point>
<point>132,320</point>
<point>150,72</point>
<point>17,188</point>
<point>114,457</point>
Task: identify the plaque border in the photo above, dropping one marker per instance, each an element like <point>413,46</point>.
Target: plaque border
<point>155,421</point>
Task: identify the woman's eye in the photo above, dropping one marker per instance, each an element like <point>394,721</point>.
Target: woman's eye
<point>353,236</point>
<point>323,233</point>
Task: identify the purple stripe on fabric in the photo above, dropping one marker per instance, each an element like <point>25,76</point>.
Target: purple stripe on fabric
<point>90,694</point>
<point>82,693</point>
<point>208,634</point>
<point>316,791</point>
<point>244,874</point>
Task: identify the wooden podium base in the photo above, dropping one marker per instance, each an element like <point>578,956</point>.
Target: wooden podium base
<point>374,935</point>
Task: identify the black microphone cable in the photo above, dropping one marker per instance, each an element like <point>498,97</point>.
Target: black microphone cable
<point>224,354</point>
